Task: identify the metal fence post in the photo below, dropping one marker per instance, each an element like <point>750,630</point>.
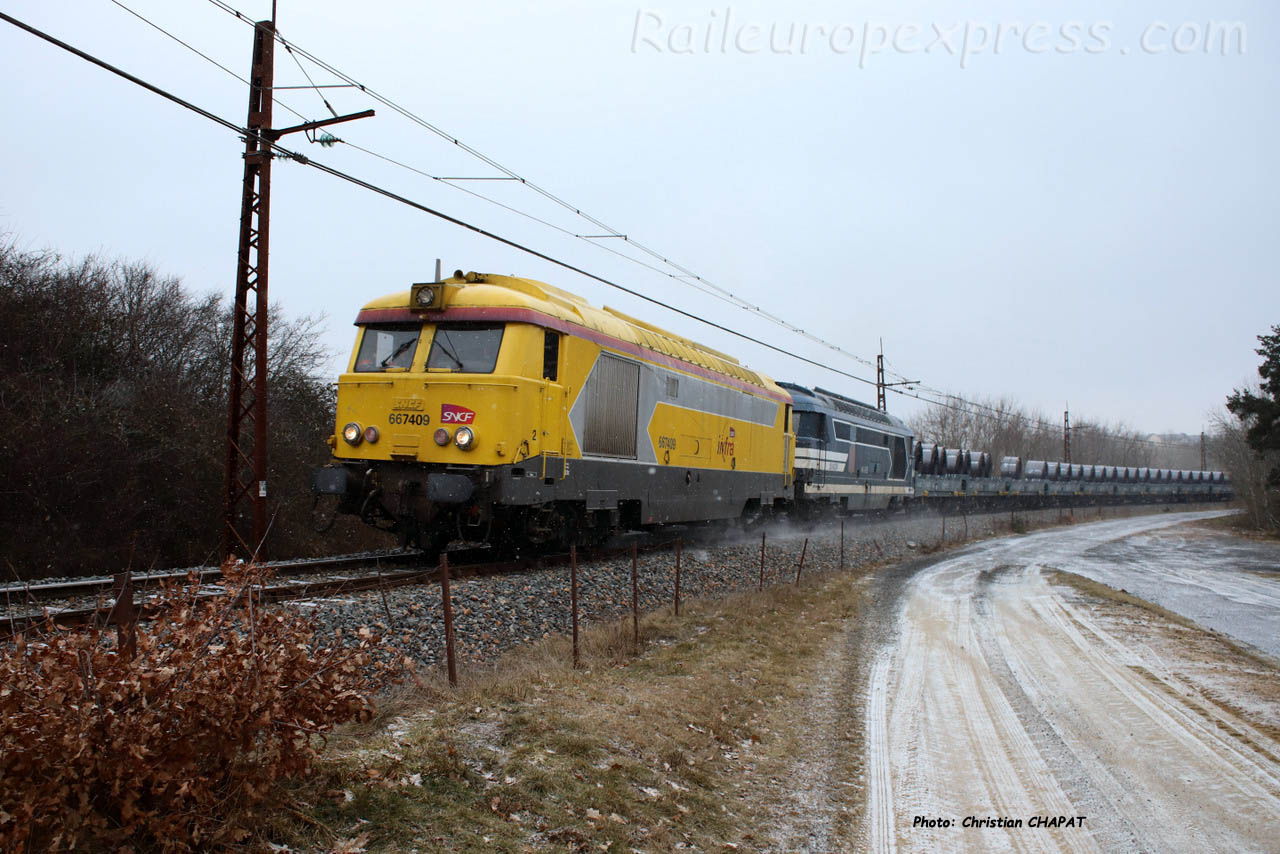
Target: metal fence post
<point>800,567</point>
<point>573,598</point>
<point>635,600</point>
<point>679,545</point>
<point>842,544</point>
<point>763,534</point>
<point>124,615</point>
<point>448,620</point>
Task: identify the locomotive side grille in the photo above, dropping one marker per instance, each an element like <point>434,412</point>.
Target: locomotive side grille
<point>612,402</point>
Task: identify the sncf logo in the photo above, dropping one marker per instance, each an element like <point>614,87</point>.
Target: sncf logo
<point>451,414</point>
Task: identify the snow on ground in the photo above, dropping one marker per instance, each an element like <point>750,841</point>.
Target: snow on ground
<point>1224,583</point>
<point>1002,696</point>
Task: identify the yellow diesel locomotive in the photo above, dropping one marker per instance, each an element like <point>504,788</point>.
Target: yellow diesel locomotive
<point>498,409</point>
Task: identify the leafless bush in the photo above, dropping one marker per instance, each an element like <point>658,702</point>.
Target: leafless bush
<point>174,749</point>
<point>1249,470</point>
<point>113,379</point>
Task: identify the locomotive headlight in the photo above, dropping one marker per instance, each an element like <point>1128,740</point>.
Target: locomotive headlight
<point>464,438</point>
<point>352,434</point>
<point>371,434</point>
<point>426,296</point>
<point>442,437</point>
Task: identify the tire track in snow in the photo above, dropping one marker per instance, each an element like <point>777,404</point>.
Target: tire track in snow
<point>1110,830</point>
<point>997,700</point>
<point>880,814</point>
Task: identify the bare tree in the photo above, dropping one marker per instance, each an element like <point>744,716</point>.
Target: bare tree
<point>1249,469</point>
<point>113,381</point>
<point>1003,428</point>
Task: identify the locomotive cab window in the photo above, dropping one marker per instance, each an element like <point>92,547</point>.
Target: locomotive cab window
<point>899,458</point>
<point>388,346</point>
<point>467,348</point>
<point>550,355</point>
<point>809,425</point>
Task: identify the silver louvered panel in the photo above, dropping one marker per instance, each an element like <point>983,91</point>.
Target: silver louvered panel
<point>611,408</point>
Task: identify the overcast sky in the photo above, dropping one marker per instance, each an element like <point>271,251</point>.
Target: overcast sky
<point>1051,201</point>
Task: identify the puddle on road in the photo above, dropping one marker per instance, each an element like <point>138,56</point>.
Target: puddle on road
<point>1224,583</point>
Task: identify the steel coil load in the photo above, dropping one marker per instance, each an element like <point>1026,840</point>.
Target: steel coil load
<point>1011,467</point>
<point>952,460</point>
<point>975,464</point>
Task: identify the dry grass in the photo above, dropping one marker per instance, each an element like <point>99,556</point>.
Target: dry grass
<point>687,743</point>
<point>693,741</point>
<point>1240,524</point>
<point>1098,590</point>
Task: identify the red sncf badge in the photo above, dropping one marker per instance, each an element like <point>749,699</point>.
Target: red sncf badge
<point>452,414</point>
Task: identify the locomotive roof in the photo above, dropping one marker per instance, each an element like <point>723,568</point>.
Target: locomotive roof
<point>491,291</point>
<point>844,405</point>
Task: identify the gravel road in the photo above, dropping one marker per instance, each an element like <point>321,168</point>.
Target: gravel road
<point>1000,696</point>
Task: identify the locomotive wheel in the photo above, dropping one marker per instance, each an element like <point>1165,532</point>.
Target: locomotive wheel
<point>557,525</point>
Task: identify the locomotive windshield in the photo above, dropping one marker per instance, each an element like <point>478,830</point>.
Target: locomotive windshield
<point>388,345</point>
<point>468,348</point>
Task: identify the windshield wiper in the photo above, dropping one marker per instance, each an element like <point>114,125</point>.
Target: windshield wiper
<point>441,338</point>
<point>405,346</point>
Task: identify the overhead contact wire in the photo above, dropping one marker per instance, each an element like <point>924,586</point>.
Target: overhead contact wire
<point>965,405</point>
<point>731,297</point>
<point>359,182</point>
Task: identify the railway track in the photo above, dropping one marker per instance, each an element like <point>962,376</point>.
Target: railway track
<point>97,601</point>
<point>467,563</point>
<point>103,585</point>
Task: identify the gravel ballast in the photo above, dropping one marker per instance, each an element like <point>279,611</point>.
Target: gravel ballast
<point>494,614</point>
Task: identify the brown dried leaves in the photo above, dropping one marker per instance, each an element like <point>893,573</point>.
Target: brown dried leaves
<point>173,750</point>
